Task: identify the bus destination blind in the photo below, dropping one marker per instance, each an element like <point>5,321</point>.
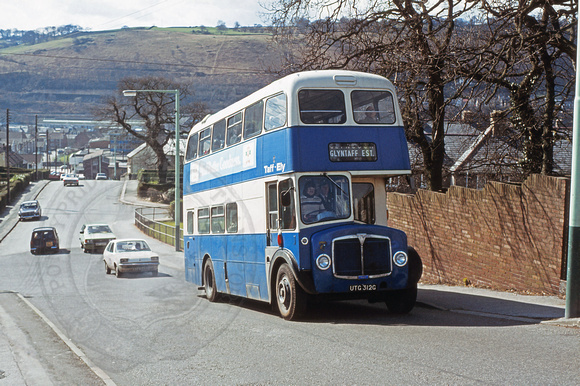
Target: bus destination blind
<point>352,151</point>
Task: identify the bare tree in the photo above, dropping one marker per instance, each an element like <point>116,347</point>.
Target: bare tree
<point>152,110</point>
<point>411,41</point>
<point>526,48</point>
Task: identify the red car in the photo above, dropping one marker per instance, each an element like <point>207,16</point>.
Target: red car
<point>54,176</point>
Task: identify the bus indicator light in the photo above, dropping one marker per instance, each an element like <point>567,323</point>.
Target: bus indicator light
<point>400,258</point>
<point>323,262</point>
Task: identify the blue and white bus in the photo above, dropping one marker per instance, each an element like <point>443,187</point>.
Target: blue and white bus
<point>284,195</point>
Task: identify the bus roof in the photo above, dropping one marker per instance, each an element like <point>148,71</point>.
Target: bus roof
<point>305,79</point>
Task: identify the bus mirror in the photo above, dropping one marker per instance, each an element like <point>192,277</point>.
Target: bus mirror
<point>285,197</point>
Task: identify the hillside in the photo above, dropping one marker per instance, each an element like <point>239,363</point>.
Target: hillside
<point>66,78</point>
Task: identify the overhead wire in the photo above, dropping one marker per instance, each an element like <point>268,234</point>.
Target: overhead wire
<point>135,13</point>
<point>166,64</point>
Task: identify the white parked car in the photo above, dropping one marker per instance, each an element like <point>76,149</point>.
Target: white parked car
<point>130,255</point>
<point>101,176</point>
<point>95,236</point>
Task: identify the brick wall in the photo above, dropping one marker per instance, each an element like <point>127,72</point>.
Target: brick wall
<point>507,237</point>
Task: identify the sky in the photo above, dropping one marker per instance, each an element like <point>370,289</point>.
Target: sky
<point>97,15</point>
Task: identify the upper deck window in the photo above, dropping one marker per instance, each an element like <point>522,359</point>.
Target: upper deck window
<point>219,135</point>
<point>234,129</point>
<point>373,107</point>
<point>204,141</point>
<point>253,120</point>
<point>320,107</point>
<point>191,152</point>
<point>275,112</point>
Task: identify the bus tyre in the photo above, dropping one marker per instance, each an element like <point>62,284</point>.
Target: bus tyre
<point>290,298</point>
<point>415,266</point>
<point>209,281</point>
<point>401,301</point>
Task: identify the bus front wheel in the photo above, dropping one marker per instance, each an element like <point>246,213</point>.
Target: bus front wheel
<point>289,296</point>
<point>209,281</point>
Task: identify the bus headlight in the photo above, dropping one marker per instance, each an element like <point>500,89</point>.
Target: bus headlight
<point>323,262</point>
<point>400,259</point>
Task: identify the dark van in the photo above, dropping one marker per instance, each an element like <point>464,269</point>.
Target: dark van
<point>44,240</point>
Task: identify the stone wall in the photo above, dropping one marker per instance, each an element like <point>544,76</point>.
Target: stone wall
<point>507,237</point>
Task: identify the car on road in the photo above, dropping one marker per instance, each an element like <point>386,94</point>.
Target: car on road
<point>70,179</point>
<point>44,239</point>
<point>130,255</point>
<point>101,176</point>
<point>94,237</point>
<point>81,176</point>
<point>54,176</point>
<point>30,210</point>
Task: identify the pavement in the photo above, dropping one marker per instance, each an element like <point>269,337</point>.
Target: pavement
<point>19,366</point>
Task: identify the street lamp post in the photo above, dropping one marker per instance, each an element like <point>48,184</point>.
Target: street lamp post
<point>131,93</point>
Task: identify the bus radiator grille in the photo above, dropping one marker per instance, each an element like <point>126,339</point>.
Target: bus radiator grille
<point>375,261</point>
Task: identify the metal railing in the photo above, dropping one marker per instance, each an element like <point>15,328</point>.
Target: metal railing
<point>153,222</point>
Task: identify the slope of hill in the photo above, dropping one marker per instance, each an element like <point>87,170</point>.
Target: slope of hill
<point>66,78</point>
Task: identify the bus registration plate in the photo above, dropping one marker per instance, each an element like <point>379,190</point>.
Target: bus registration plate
<point>352,151</point>
<point>363,287</point>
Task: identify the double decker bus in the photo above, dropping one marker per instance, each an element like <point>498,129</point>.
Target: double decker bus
<point>284,195</point>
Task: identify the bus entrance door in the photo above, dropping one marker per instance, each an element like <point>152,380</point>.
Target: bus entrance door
<point>271,229</point>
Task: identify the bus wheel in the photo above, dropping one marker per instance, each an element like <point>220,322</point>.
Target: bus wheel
<point>209,281</point>
<point>401,301</point>
<point>289,296</point>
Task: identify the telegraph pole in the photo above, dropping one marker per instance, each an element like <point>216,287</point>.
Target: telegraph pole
<point>36,147</point>
<point>573,266</point>
<point>47,153</point>
<point>8,154</point>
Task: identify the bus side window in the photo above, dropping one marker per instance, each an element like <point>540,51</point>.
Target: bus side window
<point>232,217</point>
<point>217,219</point>
<point>253,118</point>
<point>234,129</point>
<point>364,202</point>
<point>204,141</point>
<point>191,152</point>
<point>189,222</point>
<point>272,206</point>
<point>219,135</point>
<point>203,221</point>
<point>287,212</point>
<point>275,112</point>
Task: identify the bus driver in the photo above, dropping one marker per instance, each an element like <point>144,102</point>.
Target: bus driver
<point>326,196</point>
<point>311,204</point>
